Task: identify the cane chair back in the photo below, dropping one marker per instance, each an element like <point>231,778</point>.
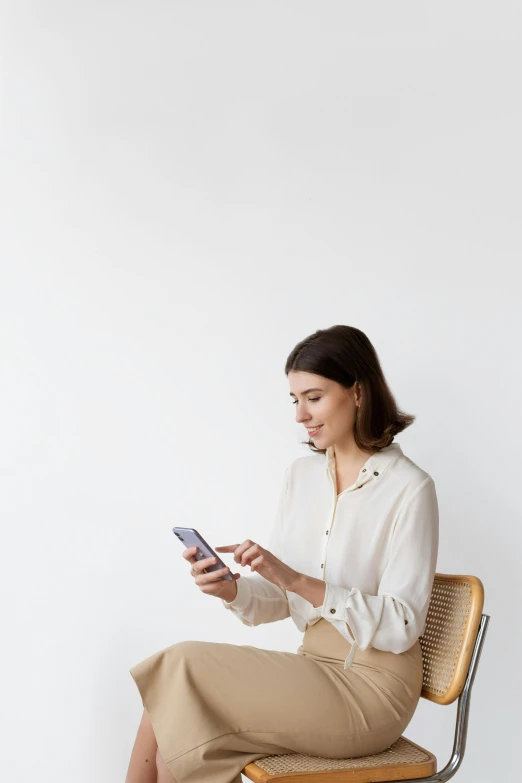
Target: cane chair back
<point>449,636</point>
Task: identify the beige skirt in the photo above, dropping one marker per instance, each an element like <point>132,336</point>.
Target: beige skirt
<point>215,707</point>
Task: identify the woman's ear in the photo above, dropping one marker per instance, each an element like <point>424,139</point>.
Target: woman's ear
<point>357,395</point>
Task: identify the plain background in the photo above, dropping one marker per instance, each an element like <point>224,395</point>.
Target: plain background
<point>189,189</point>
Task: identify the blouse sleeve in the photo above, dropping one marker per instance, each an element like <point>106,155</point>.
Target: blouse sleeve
<point>259,601</point>
<point>395,618</point>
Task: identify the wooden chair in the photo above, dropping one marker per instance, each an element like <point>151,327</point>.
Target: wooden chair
<point>451,646</point>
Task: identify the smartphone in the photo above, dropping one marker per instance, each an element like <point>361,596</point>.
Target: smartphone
<point>190,537</point>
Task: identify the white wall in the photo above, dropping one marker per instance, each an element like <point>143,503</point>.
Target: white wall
<point>188,189</point>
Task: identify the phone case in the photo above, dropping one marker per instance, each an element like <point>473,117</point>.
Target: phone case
<point>190,537</point>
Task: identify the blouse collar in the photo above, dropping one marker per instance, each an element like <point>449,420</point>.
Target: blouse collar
<point>374,466</point>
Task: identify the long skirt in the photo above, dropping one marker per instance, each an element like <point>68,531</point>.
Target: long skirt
<point>216,707</point>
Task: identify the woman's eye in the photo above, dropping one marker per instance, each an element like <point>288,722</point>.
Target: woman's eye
<point>310,399</point>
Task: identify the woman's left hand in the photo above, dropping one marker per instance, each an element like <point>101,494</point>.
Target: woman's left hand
<point>262,561</point>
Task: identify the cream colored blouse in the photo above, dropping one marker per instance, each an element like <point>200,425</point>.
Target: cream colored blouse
<point>375,545</point>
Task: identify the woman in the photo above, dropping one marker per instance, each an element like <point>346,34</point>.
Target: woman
<point>351,559</point>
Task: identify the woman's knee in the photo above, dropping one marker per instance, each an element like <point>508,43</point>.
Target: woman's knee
<point>188,648</point>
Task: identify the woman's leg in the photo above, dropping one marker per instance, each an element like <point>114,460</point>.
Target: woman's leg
<point>142,765</point>
<point>164,773</point>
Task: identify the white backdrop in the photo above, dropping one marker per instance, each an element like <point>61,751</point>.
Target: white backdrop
<point>188,189</point>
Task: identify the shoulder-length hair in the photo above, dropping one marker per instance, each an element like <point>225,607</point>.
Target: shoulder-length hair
<point>344,354</point>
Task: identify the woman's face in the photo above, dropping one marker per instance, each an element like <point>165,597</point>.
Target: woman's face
<point>321,402</point>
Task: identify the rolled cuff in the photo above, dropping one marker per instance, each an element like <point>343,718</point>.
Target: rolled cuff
<point>242,600</point>
<point>334,605</point>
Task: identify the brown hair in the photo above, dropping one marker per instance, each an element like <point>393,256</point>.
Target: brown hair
<point>344,354</point>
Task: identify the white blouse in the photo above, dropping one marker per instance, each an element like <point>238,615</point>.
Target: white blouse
<point>375,545</point>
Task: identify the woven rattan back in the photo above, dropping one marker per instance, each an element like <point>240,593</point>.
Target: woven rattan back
<point>451,628</point>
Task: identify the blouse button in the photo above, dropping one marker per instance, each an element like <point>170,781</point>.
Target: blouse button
<point>322,564</point>
<point>327,532</point>
<point>364,470</point>
<point>332,611</point>
<point>375,473</point>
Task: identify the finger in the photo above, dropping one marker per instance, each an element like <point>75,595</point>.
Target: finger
<point>256,562</point>
<point>202,564</point>
<point>190,552</point>
<point>242,549</point>
<point>237,549</point>
<point>211,576</point>
<point>248,555</point>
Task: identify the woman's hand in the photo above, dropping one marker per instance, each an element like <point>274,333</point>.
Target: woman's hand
<point>262,561</point>
<point>210,582</point>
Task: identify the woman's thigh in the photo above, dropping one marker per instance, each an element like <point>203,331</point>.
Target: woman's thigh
<point>196,692</point>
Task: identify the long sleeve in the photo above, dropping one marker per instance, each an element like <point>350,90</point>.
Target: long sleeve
<point>395,618</point>
<point>259,601</point>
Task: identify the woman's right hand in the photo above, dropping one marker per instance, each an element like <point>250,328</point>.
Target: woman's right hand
<point>210,583</point>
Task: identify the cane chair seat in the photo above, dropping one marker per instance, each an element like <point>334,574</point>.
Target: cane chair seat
<point>403,759</point>
<point>448,642</point>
